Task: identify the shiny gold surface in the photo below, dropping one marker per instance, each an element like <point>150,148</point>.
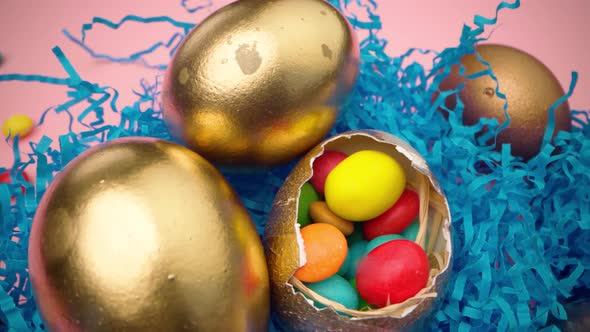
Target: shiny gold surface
<point>259,82</point>
<point>530,88</point>
<point>283,251</point>
<point>141,234</point>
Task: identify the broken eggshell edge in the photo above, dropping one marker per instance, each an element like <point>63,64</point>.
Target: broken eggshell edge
<point>285,251</point>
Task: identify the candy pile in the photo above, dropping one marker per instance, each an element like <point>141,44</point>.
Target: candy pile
<point>359,229</point>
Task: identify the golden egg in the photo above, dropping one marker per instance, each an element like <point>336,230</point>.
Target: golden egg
<point>291,299</point>
<point>140,234</point>
<point>259,82</point>
<point>530,89</point>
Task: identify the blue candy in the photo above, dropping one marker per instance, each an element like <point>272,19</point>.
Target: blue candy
<point>336,289</point>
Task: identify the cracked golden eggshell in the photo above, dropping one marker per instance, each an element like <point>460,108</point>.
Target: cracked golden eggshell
<point>141,234</point>
<point>259,82</point>
<point>285,254</point>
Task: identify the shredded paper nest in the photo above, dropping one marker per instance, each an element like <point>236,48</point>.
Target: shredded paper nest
<point>520,229</point>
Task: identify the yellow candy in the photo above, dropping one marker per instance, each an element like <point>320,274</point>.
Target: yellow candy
<point>364,185</point>
<point>18,124</point>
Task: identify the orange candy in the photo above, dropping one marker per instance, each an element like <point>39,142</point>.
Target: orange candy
<point>325,251</point>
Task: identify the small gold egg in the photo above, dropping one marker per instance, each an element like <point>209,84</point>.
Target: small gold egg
<point>259,82</point>
<point>530,89</point>
<point>291,299</point>
<point>140,234</point>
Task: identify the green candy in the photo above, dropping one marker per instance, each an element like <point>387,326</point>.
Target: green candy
<point>336,289</point>
<point>308,196</point>
<point>381,240</point>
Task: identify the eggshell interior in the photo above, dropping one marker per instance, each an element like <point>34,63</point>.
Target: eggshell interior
<point>293,302</point>
<point>439,246</point>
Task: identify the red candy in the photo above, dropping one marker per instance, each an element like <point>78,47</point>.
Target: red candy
<point>392,273</point>
<point>322,166</point>
<point>396,219</point>
<point>5,178</point>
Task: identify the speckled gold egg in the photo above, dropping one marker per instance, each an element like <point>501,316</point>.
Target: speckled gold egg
<point>259,82</point>
<point>530,89</point>
<point>292,300</point>
<point>140,234</point>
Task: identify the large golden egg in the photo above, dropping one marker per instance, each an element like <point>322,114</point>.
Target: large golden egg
<point>140,234</point>
<point>301,309</point>
<point>530,89</point>
<point>259,82</point>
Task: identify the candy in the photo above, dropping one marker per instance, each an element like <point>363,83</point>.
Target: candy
<point>367,186</point>
<point>346,265</point>
<point>308,195</point>
<point>5,178</point>
<point>357,234</point>
<point>322,167</point>
<point>381,240</point>
<point>356,252</point>
<point>392,273</point>
<point>18,124</point>
<point>396,219</point>
<point>411,232</point>
<point>336,289</point>
<point>320,212</point>
<point>325,251</point>
<point>364,185</point>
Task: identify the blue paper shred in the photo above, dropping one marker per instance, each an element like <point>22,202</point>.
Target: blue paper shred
<point>171,44</point>
<point>520,229</point>
<point>195,6</point>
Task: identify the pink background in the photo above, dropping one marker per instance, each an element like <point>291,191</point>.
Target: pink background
<point>549,29</point>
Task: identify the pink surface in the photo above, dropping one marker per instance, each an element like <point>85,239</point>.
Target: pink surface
<point>551,30</point>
